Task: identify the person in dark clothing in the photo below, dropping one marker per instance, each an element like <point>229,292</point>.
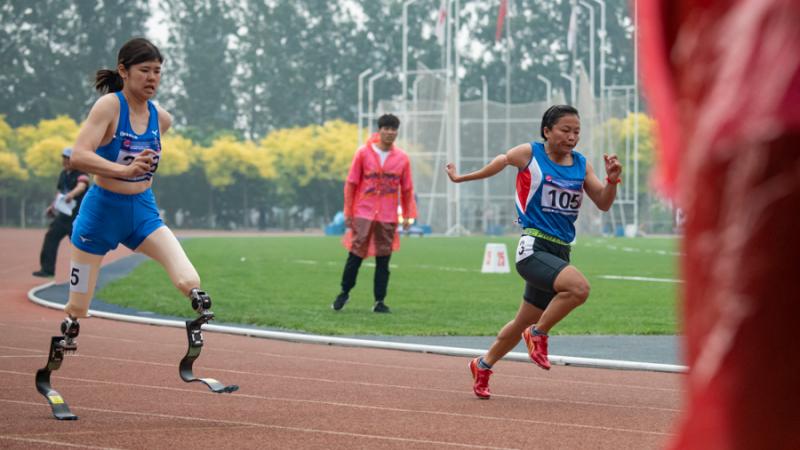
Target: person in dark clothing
<point>72,186</point>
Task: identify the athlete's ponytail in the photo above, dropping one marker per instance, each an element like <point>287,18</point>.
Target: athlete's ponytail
<point>135,51</point>
<point>106,81</point>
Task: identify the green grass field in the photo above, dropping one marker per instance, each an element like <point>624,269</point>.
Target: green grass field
<point>435,287</point>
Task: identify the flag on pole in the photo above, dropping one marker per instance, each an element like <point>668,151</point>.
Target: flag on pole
<point>573,26</point>
<point>501,18</point>
<point>441,22</point>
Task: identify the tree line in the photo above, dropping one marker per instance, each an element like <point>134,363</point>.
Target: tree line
<point>290,178</point>
<point>250,66</point>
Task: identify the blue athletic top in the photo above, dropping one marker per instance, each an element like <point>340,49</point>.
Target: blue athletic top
<point>126,144</point>
<point>549,195</point>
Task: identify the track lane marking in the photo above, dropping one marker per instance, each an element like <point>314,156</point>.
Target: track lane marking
<point>341,361</point>
<point>360,406</point>
<point>276,427</point>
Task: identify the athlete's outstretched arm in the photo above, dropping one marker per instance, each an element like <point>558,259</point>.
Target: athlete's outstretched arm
<point>518,157</point>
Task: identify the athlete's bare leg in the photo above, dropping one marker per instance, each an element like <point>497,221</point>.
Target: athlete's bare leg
<point>84,268</point>
<point>163,247</point>
<point>572,291</point>
<point>510,335</point>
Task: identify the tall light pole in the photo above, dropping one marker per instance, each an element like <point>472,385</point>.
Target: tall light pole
<point>546,81</point>
<point>361,103</point>
<point>485,104</point>
<point>571,80</point>
<point>405,48</point>
<point>604,97</point>
<point>602,46</point>
<point>591,42</point>
<point>370,95</point>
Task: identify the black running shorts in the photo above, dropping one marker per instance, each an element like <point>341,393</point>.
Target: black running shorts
<point>541,262</point>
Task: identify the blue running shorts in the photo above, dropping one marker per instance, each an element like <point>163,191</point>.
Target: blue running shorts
<point>107,219</point>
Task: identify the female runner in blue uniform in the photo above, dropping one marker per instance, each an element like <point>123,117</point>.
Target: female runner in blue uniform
<point>120,143</point>
<point>551,181</point>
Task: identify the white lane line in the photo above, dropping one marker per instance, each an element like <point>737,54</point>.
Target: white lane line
<point>57,444</point>
<point>22,348</point>
<point>274,427</point>
<point>336,361</point>
<point>358,383</point>
<point>626,278</point>
<point>377,408</point>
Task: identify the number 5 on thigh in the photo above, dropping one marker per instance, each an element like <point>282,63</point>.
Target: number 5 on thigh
<point>83,271</point>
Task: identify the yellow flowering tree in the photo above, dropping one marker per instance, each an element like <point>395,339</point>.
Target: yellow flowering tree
<point>7,135</point>
<point>178,154</point>
<point>311,163</point>
<point>43,158</point>
<point>61,127</point>
<point>226,159</point>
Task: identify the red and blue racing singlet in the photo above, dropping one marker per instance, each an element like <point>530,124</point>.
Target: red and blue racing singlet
<point>549,195</point>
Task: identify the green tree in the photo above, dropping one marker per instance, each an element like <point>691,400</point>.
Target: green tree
<point>200,66</point>
<point>311,163</point>
<point>51,48</point>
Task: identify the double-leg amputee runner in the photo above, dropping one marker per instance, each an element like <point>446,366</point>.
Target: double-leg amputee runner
<point>162,246</point>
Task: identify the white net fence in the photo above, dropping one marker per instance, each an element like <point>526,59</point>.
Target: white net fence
<point>437,129</point>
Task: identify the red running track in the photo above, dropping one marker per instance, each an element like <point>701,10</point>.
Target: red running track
<point>124,385</point>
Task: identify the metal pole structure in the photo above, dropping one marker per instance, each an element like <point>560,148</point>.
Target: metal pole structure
<point>603,34</point>
<point>405,48</point>
<point>508,81</point>
<point>636,112</point>
<point>546,81</point>
<point>571,80</point>
<point>370,95</point>
<point>457,116</point>
<point>451,190</point>
<point>485,216</point>
<point>591,43</point>
<point>414,100</point>
<point>604,99</point>
<point>361,104</point>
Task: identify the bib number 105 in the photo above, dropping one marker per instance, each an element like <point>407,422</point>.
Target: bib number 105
<point>561,199</point>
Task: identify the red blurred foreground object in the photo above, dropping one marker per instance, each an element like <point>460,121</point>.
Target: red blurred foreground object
<point>723,79</point>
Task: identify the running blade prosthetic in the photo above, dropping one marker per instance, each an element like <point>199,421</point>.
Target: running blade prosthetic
<point>58,346</point>
<point>195,335</point>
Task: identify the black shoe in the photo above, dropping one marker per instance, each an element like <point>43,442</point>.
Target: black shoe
<point>341,299</point>
<point>380,307</point>
<point>43,274</point>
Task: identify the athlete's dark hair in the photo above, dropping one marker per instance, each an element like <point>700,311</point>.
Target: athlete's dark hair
<point>554,113</point>
<point>135,51</point>
<point>388,120</point>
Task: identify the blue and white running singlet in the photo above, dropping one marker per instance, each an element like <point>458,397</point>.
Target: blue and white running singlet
<point>549,195</point>
<point>126,144</point>
<point>107,219</point>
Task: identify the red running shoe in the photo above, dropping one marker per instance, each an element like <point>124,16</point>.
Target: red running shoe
<point>480,378</point>
<point>537,348</point>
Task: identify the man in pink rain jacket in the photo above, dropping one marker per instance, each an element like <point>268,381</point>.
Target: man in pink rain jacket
<point>379,178</point>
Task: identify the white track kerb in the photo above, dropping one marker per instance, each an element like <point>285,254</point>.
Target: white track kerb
<point>350,342</point>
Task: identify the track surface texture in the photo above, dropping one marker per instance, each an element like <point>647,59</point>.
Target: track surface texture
<point>123,383</point>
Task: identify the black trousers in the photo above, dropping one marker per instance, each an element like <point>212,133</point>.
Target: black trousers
<point>60,227</point>
<point>381,281</point>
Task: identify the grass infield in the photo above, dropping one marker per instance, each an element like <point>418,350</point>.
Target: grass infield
<point>435,287</point>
